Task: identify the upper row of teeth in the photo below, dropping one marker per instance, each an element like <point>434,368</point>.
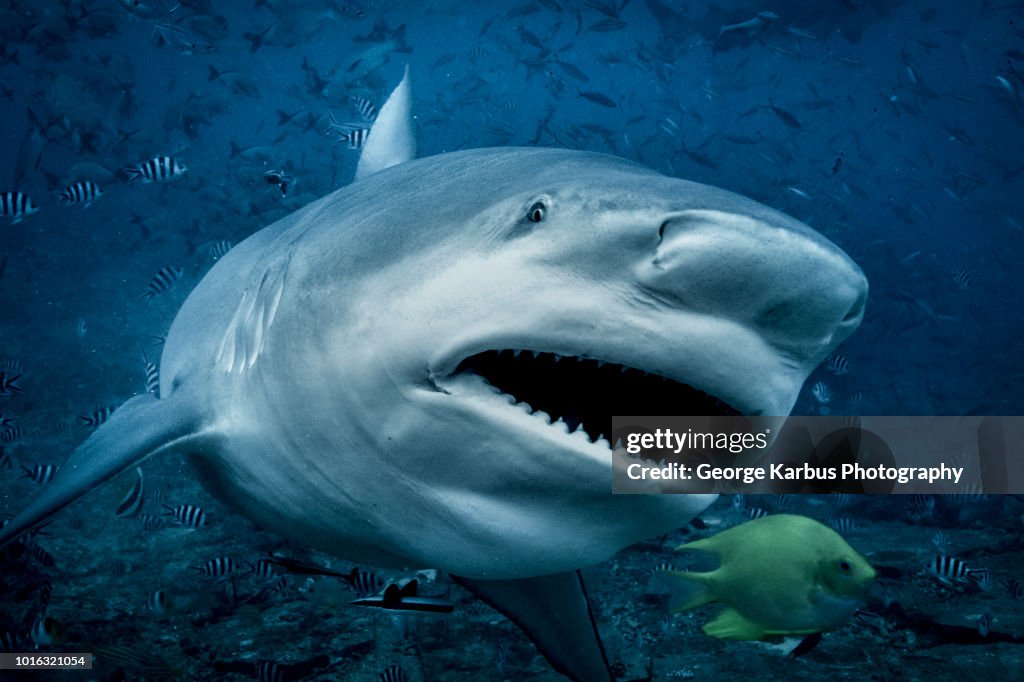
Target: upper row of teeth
<point>578,358</point>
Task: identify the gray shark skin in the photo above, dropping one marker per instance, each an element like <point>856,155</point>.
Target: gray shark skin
<point>313,374</point>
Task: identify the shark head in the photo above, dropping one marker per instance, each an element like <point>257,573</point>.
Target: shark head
<point>458,331</point>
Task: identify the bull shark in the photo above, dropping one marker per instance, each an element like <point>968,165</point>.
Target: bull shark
<point>419,369</point>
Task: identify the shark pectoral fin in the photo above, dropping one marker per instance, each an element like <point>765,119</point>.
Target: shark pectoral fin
<point>729,624</point>
<point>140,428</point>
<point>554,612</point>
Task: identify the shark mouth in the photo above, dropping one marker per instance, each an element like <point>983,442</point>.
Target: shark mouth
<point>583,392</point>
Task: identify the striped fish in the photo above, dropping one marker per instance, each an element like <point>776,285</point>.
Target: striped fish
<point>16,205</point>
<point>394,673</point>
<point>150,521</point>
<point>837,364</point>
<point>11,434</point>
<point>754,513</point>
<point>40,473</point>
<point>355,136</point>
<point>131,505</point>
<point>157,169</point>
<point>263,569</point>
<point>162,281</point>
<point>941,541</point>
<point>219,249</point>
<point>9,383</point>
<point>365,107</point>
<point>948,569</point>
<point>12,366</point>
<point>152,376</point>
<point>841,524</point>
<point>822,393</point>
<point>187,515</point>
<point>158,602</point>
<point>363,583</point>
<point>962,279</point>
<point>96,417</point>
<point>666,567</point>
<point>218,568</point>
<point>271,671</point>
<point>84,192</point>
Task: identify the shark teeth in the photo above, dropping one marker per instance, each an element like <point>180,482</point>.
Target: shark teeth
<point>579,394</point>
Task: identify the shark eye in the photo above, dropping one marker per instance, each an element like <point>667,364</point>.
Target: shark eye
<point>537,212</point>
<point>845,567</point>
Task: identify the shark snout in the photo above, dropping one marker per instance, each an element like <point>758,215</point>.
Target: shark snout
<point>796,289</point>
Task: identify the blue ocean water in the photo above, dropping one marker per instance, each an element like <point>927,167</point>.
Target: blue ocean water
<point>893,128</point>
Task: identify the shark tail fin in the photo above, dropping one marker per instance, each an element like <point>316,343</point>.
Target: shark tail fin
<point>554,612</point>
<point>142,427</point>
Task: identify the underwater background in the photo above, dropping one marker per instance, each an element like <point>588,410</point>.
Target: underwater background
<point>893,128</point>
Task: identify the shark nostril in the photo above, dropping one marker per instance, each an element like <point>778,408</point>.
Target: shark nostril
<point>661,231</point>
<point>856,310</point>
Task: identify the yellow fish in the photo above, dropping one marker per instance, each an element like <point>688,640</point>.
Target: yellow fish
<point>778,575</point>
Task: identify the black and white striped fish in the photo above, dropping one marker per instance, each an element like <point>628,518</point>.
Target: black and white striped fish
<point>41,473</point>
<point>962,279</point>
<point>218,568</point>
<point>821,392</point>
<point>83,192</point>
<point>394,673</point>
<point>837,364</point>
<point>131,505</point>
<point>366,108</point>
<point>263,568</point>
<point>353,135</point>
<point>157,169</point>
<point>16,205</point>
<point>12,366</point>
<point>949,570</point>
<point>841,524</point>
<point>755,513</point>
<point>94,419</point>
<point>363,583</point>
<point>187,515</point>
<point>9,383</point>
<point>152,376</point>
<point>11,434</point>
<point>219,249</point>
<point>665,567</point>
<point>164,280</point>
<point>271,671</point>
<point>158,602</point>
<point>150,522</point>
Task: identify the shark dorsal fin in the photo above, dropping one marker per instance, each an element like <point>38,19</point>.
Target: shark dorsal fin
<point>391,140</point>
